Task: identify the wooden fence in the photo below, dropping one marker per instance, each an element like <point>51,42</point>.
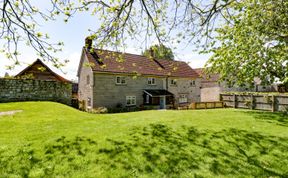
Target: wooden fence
<point>260,102</point>
<point>204,105</point>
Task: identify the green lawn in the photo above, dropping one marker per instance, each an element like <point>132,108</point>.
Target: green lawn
<point>53,140</point>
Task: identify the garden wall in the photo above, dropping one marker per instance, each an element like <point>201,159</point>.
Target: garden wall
<point>34,90</point>
<point>259,102</point>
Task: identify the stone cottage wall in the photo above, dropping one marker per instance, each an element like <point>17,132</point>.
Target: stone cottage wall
<point>34,90</point>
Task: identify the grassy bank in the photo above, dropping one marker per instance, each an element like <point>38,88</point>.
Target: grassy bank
<point>52,140</point>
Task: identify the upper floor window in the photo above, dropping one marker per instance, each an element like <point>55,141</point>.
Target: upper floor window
<point>151,81</point>
<point>130,100</point>
<point>173,82</point>
<point>193,83</point>
<point>120,80</point>
<point>88,79</point>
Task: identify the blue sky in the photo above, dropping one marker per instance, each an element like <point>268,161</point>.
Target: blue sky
<point>73,34</point>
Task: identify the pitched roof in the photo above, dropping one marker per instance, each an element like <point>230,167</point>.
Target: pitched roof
<point>159,92</point>
<point>47,69</point>
<point>116,62</point>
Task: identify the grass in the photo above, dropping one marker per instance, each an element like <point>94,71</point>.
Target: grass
<point>53,140</point>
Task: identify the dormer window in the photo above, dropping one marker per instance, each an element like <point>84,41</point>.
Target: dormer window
<point>151,81</point>
<point>120,80</point>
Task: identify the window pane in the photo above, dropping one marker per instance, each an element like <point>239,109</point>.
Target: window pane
<point>122,80</point>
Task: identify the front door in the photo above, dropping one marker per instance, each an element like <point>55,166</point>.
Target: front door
<point>162,102</point>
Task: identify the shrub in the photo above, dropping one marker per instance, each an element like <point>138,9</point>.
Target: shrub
<point>285,112</point>
<point>123,109</point>
<point>100,110</point>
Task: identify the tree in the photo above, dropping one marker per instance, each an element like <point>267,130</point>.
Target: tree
<point>254,43</point>
<point>135,19</point>
<point>19,25</point>
<point>159,52</point>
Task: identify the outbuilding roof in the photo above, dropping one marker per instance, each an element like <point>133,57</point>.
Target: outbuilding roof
<point>41,71</point>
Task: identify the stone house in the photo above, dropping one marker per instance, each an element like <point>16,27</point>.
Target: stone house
<point>112,79</point>
<point>211,88</point>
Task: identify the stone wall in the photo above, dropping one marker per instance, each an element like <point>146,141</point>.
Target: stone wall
<point>185,86</point>
<point>34,90</point>
<point>85,90</point>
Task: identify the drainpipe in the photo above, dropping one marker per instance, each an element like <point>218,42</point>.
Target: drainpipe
<point>167,83</point>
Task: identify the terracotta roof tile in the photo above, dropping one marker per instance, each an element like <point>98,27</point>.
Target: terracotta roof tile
<point>116,62</point>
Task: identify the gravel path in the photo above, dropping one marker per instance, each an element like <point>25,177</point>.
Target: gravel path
<point>9,112</point>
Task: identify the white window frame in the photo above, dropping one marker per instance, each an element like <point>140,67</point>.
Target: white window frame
<point>183,98</point>
<point>193,83</point>
<point>122,80</point>
<point>173,82</point>
<point>130,100</point>
<point>151,81</point>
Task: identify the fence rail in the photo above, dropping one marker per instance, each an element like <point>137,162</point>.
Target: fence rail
<point>259,102</point>
<point>204,105</point>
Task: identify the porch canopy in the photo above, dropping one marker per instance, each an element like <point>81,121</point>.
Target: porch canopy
<point>158,93</point>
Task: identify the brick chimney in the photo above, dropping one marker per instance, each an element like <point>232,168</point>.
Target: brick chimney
<point>88,42</point>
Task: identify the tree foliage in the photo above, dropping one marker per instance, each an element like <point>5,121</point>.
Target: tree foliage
<point>248,38</point>
<point>159,52</point>
<point>254,43</point>
<point>19,25</point>
<point>121,20</point>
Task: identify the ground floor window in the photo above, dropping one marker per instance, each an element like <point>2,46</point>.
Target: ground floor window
<point>130,100</point>
<point>183,98</point>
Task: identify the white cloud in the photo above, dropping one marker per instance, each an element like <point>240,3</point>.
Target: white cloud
<point>193,59</point>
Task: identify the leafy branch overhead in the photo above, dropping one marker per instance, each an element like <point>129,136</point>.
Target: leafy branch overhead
<point>253,44</point>
<point>19,25</point>
<point>248,38</point>
<point>159,52</point>
<point>120,20</point>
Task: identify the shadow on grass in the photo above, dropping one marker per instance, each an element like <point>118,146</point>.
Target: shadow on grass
<point>157,151</point>
<point>278,117</point>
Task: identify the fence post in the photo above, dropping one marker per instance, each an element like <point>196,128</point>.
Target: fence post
<point>252,102</point>
<point>234,98</point>
<point>273,103</point>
